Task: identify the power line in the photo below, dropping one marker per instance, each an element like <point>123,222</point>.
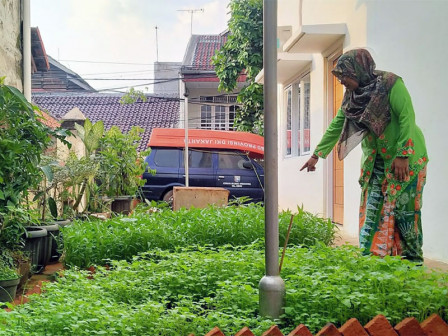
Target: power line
<point>123,63</point>
<point>103,62</point>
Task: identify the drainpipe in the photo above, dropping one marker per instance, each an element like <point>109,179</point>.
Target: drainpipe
<point>26,48</point>
<point>272,287</point>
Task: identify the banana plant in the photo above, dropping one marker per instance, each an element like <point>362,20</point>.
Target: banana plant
<point>90,134</point>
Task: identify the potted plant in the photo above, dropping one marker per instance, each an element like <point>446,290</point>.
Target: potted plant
<point>9,280</point>
<point>23,140</point>
<point>121,167</point>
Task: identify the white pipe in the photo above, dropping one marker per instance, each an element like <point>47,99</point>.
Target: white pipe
<point>26,50</point>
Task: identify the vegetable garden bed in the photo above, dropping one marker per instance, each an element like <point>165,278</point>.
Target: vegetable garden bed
<point>97,241</point>
<point>194,290</point>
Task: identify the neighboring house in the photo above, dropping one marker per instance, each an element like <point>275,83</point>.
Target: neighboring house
<point>166,78</point>
<point>207,107</point>
<point>58,78</point>
<point>156,112</point>
<point>50,75</point>
<point>405,37</point>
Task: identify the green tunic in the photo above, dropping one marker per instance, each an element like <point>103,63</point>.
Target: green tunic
<point>402,137</point>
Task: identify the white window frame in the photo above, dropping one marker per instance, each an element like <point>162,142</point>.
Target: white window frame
<point>225,124</point>
<point>298,99</point>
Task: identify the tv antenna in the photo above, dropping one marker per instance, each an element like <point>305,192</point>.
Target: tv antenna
<point>157,45</point>
<point>191,11</point>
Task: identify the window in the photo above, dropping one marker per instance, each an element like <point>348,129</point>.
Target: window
<point>297,119</point>
<point>166,158</point>
<point>232,112</point>
<point>220,117</point>
<point>230,161</point>
<point>198,159</point>
<point>217,117</point>
<point>206,116</point>
<point>288,120</point>
<point>306,115</point>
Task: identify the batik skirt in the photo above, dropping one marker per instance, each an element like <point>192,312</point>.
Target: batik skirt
<point>392,227</point>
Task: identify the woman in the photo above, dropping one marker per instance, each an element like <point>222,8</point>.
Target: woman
<point>377,111</point>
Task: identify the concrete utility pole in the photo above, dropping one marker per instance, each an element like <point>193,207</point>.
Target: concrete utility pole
<point>272,287</point>
<point>186,126</point>
<point>191,11</point>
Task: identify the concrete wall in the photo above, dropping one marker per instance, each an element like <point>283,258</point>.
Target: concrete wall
<point>166,76</point>
<point>408,38</point>
<point>10,43</point>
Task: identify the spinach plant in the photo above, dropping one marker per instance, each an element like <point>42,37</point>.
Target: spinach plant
<point>195,289</point>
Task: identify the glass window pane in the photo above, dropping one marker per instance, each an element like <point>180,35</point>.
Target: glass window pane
<point>206,116</point>
<point>299,120</point>
<point>199,159</point>
<point>230,161</point>
<point>166,158</point>
<point>232,111</point>
<point>288,120</point>
<point>220,117</point>
<point>306,114</point>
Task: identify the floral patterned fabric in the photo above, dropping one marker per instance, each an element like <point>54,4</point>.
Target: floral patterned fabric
<point>402,137</point>
<point>390,212</point>
<point>392,227</point>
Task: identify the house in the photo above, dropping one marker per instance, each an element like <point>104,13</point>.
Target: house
<point>58,78</point>
<point>207,107</point>
<point>407,38</point>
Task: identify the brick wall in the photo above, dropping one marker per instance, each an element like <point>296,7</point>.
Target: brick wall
<point>378,326</point>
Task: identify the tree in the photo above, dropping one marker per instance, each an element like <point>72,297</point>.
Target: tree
<point>243,54</point>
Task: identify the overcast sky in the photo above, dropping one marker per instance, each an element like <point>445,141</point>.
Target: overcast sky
<point>122,31</point>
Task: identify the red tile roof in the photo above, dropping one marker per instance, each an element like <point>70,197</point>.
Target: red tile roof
<point>205,49</point>
<point>197,65</point>
<point>47,120</point>
<point>160,112</point>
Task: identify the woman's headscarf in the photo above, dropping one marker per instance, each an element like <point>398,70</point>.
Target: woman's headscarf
<point>367,108</point>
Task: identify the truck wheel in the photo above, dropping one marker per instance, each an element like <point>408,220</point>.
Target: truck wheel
<point>168,197</point>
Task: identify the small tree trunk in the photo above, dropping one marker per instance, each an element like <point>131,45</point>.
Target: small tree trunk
<point>81,193</point>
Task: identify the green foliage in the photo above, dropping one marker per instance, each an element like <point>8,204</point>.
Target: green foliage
<point>334,285</point>
<point>243,52</point>
<point>132,96</point>
<point>22,142</point>
<point>15,218</point>
<point>23,139</point>
<point>87,243</point>
<point>196,289</point>
<point>7,266</point>
<point>121,165</point>
<point>90,134</point>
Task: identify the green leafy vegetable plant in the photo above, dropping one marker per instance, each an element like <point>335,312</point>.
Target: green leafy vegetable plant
<point>87,243</point>
<point>197,288</point>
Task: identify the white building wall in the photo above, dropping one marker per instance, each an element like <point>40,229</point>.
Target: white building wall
<point>415,48</point>
<point>408,38</point>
